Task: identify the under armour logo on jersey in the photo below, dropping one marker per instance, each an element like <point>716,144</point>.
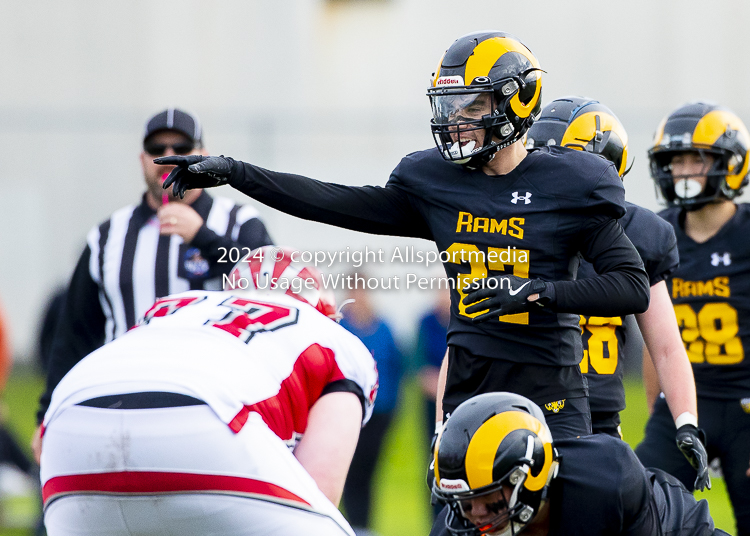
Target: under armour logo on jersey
<point>525,198</point>
<point>725,259</point>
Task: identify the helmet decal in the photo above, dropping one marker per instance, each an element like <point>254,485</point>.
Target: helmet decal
<point>494,442</point>
<point>583,124</point>
<point>485,56</point>
<point>483,448</point>
<point>709,130</point>
<point>484,95</point>
<point>585,128</point>
<point>449,81</point>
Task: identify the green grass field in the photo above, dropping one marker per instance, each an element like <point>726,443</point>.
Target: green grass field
<point>401,504</point>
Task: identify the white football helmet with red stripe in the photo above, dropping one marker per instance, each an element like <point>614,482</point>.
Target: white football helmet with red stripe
<point>280,269</point>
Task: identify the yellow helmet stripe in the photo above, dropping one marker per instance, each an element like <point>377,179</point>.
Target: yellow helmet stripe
<point>583,128</point>
<point>437,71</point>
<point>659,132</point>
<point>480,455</point>
<point>711,127</point>
<point>435,456</point>
<point>484,57</point>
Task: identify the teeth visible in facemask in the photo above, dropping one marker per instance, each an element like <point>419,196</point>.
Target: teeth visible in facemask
<point>687,188</point>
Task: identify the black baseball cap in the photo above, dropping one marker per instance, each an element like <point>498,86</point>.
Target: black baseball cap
<point>177,120</point>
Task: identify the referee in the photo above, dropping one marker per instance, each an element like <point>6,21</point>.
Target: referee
<point>162,246</point>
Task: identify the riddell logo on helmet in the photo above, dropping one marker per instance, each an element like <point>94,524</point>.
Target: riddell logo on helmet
<point>453,485</point>
<point>450,81</point>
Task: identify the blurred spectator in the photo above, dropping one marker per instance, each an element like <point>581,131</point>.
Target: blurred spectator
<point>431,347</point>
<point>361,319</point>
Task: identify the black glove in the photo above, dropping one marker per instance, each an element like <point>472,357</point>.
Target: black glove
<point>691,441</point>
<point>196,171</point>
<point>506,294</point>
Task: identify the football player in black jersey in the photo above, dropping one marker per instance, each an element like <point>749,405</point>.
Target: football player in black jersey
<point>588,125</point>
<point>699,161</point>
<point>500,473</point>
<point>512,220</point>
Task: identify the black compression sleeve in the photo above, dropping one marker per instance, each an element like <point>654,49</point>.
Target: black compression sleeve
<point>346,386</point>
<point>79,332</point>
<point>622,286</point>
<point>369,209</point>
<point>661,269</point>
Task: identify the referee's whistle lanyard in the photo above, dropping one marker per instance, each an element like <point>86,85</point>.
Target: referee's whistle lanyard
<point>165,194</point>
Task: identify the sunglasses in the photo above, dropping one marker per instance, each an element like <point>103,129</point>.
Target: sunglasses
<point>158,149</point>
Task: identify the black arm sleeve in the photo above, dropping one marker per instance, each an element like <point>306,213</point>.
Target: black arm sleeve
<point>368,209</point>
<point>346,386</point>
<point>79,332</point>
<point>253,234</point>
<point>659,270</point>
<point>622,286</point>
<point>640,516</point>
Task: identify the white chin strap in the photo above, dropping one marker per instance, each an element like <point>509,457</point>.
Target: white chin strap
<point>688,188</point>
<point>456,152</point>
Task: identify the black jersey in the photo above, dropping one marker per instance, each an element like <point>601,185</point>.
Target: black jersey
<point>604,338</point>
<point>532,222</point>
<point>601,489</point>
<point>711,296</point>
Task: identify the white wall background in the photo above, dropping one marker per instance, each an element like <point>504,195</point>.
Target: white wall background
<point>330,89</point>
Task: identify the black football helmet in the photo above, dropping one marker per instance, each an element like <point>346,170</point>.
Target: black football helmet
<point>583,124</point>
<point>705,129</point>
<point>485,81</point>
<point>494,441</point>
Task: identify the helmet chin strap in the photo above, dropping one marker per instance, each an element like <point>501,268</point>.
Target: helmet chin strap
<point>482,160</point>
<point>485,158</point>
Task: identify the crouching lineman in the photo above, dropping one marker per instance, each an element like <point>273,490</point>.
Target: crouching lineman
<point>501,474</point>
<point>221,413</point>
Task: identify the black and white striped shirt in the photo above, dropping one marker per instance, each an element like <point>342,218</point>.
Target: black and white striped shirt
<point>127,264</point>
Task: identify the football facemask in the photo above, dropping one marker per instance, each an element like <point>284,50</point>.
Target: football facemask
<point>718,137</point>
<point>497,74</point>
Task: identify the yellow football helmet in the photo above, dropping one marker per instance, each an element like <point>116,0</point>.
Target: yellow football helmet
<point>583,124</point>
<point>708,130</point>
<point>494,441</point>
<point>485,81</point>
